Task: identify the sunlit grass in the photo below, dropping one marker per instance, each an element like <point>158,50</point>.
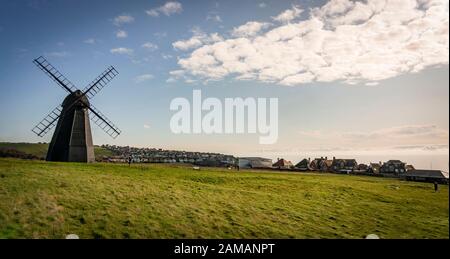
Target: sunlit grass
<point>50,200</point>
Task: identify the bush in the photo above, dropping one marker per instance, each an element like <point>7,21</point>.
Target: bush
<point>16,154</point>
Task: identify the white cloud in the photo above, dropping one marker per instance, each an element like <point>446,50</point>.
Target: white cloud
<point>184,45</point>
<point>178,75</point>
<point>90,41</point>
<point>150,46</point>
<point>171,80</point>
<point>166,56</point>
<point>122,51</point>
<point>152,13</point>
<point>249,29</point>
<point>143,78</point>
<point>262,5</point>
<point>167,9</point>
<point>171,8</point>
<point>58,54</point>
<point>146,126</point>
<point>352,42</point>
<point>123,19</point>
<point>121,34</point>
<point>200,38</point>
<point>288,15</point>
<point>214,18</point>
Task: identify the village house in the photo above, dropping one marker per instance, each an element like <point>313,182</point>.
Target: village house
<point>283,164</point>
<point>409,168</point>
<point>317,164</point>
<point>314,164</point>
<point>363,167</point>
<point>374,168</point>
<point>344,165</point>
<point>427,176</point>
<point>394,167</point>
<point>303,165</point>
<point>326,165</point>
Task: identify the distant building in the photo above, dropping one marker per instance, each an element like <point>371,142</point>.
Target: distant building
<point>394,167</point>
<point>363,167</point>
<point>254,162</point>
<point>314,165</point>
<point>374,168</point>
<point>320,164</point>
<point>427,176</point>
<point>303,165</point>
<point>344,165</point>
<point>283,164</point>
<point>409,168</point>
<point>326,165</point>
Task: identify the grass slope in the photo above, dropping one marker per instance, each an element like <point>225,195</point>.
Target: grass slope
<point>50,200</point>
<point>40,149</point>
<point>37,149</point>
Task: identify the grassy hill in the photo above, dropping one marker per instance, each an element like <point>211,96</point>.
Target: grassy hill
<point>37,149</point>
<point>40,199</point>
<point>40,149</point>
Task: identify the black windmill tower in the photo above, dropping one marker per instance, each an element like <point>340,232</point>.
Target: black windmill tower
<point>72,139</point>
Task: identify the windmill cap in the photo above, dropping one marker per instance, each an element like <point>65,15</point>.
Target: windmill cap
<point>73,97</point>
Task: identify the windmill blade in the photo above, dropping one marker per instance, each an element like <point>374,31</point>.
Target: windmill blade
<point>101,81</point>
<point>103,122</point>
<point>54,74</point>
<point>48,122</point>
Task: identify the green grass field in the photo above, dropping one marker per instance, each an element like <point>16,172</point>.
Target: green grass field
<point>40,199</point>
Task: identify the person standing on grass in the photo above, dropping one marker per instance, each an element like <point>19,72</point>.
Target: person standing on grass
<point>436,186</point>
<point>129,160</point>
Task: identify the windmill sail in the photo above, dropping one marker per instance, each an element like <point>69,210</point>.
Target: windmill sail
<point>103,122</point>
<point>48,122</point>
<point>54,74</point>
<point>101,81</point>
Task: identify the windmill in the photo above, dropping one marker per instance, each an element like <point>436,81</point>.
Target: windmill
<point>72,139</point>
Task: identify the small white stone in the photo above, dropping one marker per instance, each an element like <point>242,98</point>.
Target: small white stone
<point>72,236</point>
<point>372,236</point>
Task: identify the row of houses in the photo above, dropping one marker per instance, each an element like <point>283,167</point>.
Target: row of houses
<point>121,154</point>
<point>391,168</point>
<point>323,164</point>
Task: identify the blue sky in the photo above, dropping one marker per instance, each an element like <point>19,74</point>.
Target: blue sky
<point>353,80</point>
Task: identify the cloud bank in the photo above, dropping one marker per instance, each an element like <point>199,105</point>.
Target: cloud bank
<point>426,137</point>
<point>348,41</point>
